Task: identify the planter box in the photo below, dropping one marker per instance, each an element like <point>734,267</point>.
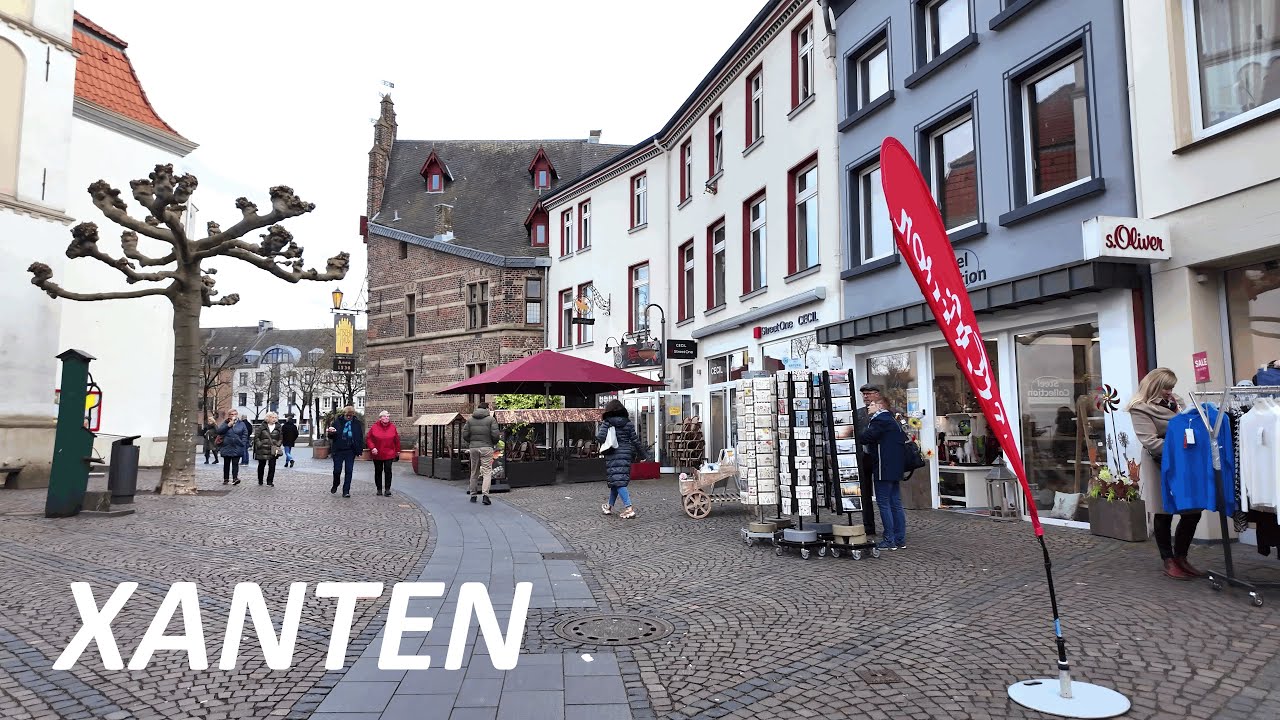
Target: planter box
<point>320,453</point>
<point>1121,519</point>
<point>407,455</point>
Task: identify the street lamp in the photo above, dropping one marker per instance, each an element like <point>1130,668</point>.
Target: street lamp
<point>337,298</point>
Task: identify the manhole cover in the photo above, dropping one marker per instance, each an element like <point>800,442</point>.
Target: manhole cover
<point>563,556</point>
<point>879,677</point>
<point>614,629</point>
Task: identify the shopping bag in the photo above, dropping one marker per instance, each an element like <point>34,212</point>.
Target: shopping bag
<point>610,441</point>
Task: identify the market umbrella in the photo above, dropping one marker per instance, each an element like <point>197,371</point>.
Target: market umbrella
<point>551,373</point>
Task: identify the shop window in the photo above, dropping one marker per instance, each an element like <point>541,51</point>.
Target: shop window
<point>797,353</point>
<point>898,378</point>
<point>1234,69</point>
<point>686,376</point>
<point>1058,372</point>
<point>1253,312</point>
<point>964,439</point>
<point>953,176</point>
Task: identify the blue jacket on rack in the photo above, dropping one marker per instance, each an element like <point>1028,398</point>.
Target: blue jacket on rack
<point>1186,470</point>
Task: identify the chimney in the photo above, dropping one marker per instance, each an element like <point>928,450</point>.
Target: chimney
<point>444,219</point>
<point>384,136</point>
<point>264,326</point>
<point>595,137</point>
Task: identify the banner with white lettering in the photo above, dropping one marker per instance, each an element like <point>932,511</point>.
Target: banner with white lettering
<point>922,240</point>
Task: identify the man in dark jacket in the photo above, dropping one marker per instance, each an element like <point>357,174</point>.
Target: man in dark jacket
<point>480,434</point>
<point>866,461</point>
<point>210,440</point>
<point>289,437</point>
<point>346,442</point>
<point>885,437</point>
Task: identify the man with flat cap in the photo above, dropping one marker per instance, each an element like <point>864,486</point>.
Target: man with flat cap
<point>866,456</point>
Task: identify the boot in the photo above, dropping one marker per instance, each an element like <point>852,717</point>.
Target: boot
<point>1175,571</point>
<point>473,497</point>
<point>1188,567</point>
<point>334,488</point>
<point>486,500</point>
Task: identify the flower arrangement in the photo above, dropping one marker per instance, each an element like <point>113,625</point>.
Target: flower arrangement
<point>1113,487</point>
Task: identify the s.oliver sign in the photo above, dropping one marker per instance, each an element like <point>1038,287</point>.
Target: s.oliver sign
<point>1126,239</point>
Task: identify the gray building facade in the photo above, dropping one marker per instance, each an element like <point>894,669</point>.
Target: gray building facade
<point>1017,114</point>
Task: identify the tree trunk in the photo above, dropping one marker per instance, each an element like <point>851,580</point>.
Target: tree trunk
<point>178,475</point>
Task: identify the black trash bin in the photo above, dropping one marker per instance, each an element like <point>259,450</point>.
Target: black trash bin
<point>122,473</point>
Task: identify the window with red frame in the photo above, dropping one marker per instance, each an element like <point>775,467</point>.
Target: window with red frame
<point>435,182</point>
<point>687,268</point>
<point>639,200</point>
<point>754,247</point>
<point>715,143</point>
<point>584,225</point>
<point>803,190</point>
<point>638,299</point>
<point>566,319</point>
<point>717,276</point>
<point>755,107</point>
<point>538,230</point>
<point>686,170</point>
<point>585,332</point>
<point>802,63</point>
<point>566,232</point>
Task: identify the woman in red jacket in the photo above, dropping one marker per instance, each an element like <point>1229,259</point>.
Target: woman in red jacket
<point>383,441</point>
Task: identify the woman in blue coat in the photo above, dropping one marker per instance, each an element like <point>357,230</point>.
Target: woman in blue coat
<point>235,434</point>
<point>617,461</point>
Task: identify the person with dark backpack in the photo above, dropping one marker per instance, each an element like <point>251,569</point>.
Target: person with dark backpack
<point>885,437</point>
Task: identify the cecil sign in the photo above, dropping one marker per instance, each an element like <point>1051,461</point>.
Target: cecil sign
<point>1126,239</point>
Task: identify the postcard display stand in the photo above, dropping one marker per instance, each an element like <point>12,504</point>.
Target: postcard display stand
<point>834,397</point>
<point>757,453</point>
<point>802,462</point>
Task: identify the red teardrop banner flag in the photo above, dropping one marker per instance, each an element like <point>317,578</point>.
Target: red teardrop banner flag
<point>922,241</point>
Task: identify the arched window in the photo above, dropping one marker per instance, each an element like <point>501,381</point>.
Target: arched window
<point>12,73</point>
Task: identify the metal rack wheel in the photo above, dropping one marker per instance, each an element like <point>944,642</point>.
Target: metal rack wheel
<point>875,552</point>
<point>697,505</point>
<point>749,540</point>
<point>822,551</point>
<point>1256,598</point>
<point>804,553</point>
<point>835,552</point>
<point>777,550</point>
<point>1215,585</point>
<point>857,554</point>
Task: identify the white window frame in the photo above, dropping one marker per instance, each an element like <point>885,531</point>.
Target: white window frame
<point>690,279</point>
<point>1191,45</point>
<point>804,64</point>
<point>542,179</point>
<point>757,235</point>
<point>862,86</point>
<point>640,199</point>
<point>719,247</point>
<point>688,170</point>
<point>757,105</point>
<point>436,183</point>
<point>864,216</point>
<point>1025,91</point>
<point>810,193</point>
<point>540,234</point>
<point>640,317</point>
<point>717,142</point>
<point>584,220</point>
<point>930,29</point>
<point>567,305</point>
<point>567,221</point>
<point>935,165</point>
<point>585,332</point>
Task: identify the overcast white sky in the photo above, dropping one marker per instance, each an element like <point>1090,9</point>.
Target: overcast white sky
<point>283,92</point>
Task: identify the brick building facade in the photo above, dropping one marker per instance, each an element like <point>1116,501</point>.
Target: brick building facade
<point>457,247</point>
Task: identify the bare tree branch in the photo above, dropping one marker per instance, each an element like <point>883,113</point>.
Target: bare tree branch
<point>43,275</point>
<point>84,243</point>
<point>129,241</point>
<point>335,268</point>
<point>107,200</point>
<point>284,205</point>
<point>165,197</point>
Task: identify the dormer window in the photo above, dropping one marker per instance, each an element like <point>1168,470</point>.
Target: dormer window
<point>537,224</point>
<point>436,173</point>
<point>542,171</point>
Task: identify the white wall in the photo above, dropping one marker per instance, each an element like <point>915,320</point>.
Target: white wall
<point>131,339</point>
<point>30,231</point>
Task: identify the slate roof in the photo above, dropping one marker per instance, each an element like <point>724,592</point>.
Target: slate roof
<point>240,340</point>
<point>491,191</point>
<point>106,78</point>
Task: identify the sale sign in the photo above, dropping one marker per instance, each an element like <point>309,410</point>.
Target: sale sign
<point>922,241</point>
<point>1200,361</point>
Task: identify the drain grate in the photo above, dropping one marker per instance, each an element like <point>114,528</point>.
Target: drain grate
<point>563,556</point>
<point>613,630</point>
<point>879,677</point>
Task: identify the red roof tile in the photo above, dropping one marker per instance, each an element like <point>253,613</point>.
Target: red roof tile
<point>105,77</point>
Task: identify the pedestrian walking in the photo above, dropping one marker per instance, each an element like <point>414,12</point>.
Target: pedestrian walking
<point>888,443</point>
<point>210,442</point>
<point>383,441</point>
<point>1151,408</point>
<point>617,460</point>
<point>236,435</point>
<point>480,434</point>
<point>268,444</point>
<point>346,443</point>
<point>288,437</point>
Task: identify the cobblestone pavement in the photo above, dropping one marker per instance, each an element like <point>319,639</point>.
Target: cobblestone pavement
<point>294,532</point>
<point>957,617</point>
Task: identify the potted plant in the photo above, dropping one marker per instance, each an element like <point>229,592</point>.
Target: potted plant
<point>1115,510</point>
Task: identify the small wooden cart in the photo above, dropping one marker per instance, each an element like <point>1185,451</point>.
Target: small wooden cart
<point>698,490</point>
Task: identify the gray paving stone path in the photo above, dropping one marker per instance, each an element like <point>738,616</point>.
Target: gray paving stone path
<point>499,546</point>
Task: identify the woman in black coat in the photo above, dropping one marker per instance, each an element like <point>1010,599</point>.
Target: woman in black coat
<point>617,461</point>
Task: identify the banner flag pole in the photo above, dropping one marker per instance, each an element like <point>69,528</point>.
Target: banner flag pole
<point>922,240</point>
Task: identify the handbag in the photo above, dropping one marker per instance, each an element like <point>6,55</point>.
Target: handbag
<point>610,441</point>
<point>913,459</point>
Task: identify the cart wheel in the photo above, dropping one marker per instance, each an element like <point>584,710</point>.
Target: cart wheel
<point>777,550</point>
<point>857,554</point>
<point>697,505</point>
<point>804,553</point>
<point>1215,585</point>
<point>875,552</point>
<point>822,551</point>
<point>835,552</point>
<point>750,541</point>
<point>1257,599</point>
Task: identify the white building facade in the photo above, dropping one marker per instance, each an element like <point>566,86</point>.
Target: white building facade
<point>1205,104</point>
<point>37,81</point>
<point>726,219</point>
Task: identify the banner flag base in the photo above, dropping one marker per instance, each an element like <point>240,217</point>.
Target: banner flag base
<point>1087,700</point>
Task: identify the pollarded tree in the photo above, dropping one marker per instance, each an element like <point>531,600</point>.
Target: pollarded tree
<point>188,286</point>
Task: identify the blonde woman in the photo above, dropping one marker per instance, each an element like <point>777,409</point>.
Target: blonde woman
<point>268,440</point>
<point>1151,408</point>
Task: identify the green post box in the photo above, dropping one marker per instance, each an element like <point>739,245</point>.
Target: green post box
<point>73,442</point>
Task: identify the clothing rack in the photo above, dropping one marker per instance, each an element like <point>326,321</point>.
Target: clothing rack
<point>1226,397</point>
